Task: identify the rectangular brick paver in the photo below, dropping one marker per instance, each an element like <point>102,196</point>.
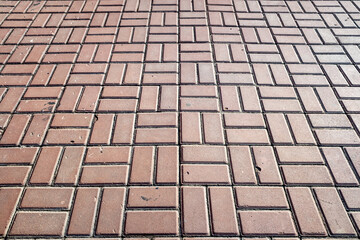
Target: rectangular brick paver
<point>179,119</point>
<point>259,222</point>
<point>42,223</point>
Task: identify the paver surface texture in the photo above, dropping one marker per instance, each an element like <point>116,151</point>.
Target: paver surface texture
<point>172,119</point>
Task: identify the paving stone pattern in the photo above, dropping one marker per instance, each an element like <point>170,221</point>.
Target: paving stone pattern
<point>180,119</point>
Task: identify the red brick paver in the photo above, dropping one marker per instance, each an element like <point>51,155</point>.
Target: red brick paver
<point>179,119</point>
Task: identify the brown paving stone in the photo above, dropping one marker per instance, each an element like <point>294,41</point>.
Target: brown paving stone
<point>200,91</point>
<point>47,198</point>
<point>337,136</point>
<point>213,130</point>
<point>45,165</point>
<point>260,223</point>
<point>195,214</point>
<point>248,136</point>
<point>8,201</point>
<point>104,174</point>
<point>37,105</point>
<point>111,211</point>
<point>167,165</point>
<point>153,197</point>
<point>307,175</point>
<point>198,154</point>
<point>331,120</point>
<point>151,222</point>
<point>83,212</point>
<point>157,119</point>
<point>67,136</point>
<point>299,155</point>
<point>190,127</point>
<point>117,105</point>
<point>223,211</point>
<point>107,155</point>
<point>261,197</point>
<point>156,135</point>
<point>43,92</point>
<point>42,223</point>
<point>230,98</point>
<point>198,104</point>
<point>71,120</point>
<point>69,168</point>
<point>206,174</point>
<point>142,165</point>
<point>10,175</point>
<point>18,155</point>
<point>244,120</point>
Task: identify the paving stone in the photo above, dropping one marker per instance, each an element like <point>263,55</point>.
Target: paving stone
<point>83,213</point>
<point>47,198</point>
<point>111,211</point>
<point>104,174</point>
<point>260,223</point>
<point>202,173</point>
<point>43,223</point>
<point>8,199</point>
<point>299,155</point>
<point>308,175</point>
<point>108,155</point>
<point>195,214</point>
<point>199,154</point>
<point>261,197</point>
<point>10,175</point>
<point>152,222</point>
<point>223,211</point>
<point>17,155</point>
<point>159,197</point>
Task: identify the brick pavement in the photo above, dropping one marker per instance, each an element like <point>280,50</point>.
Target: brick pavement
<point>171,119</point>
